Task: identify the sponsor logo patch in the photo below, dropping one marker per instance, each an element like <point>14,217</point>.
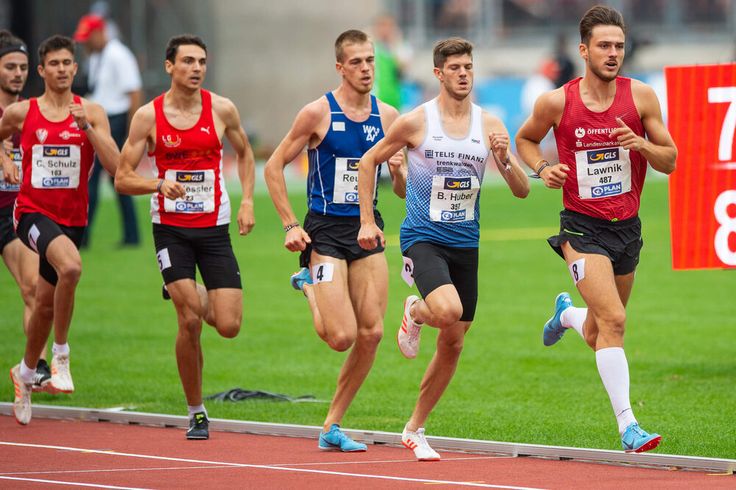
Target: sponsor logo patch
<point>603,155</point>
<point>457,183</point>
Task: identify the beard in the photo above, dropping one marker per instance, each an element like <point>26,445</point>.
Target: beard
<point>10,90</point>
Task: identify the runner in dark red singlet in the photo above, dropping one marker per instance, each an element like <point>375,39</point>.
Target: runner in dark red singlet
<point>607,128</point>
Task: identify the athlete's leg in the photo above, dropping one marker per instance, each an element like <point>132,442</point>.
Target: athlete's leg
<point>441,308</point>
<point>439,372</point>
<point>332,294</point>
<point>368,286</point>
<point>624,285</point>
<point>223,309</point>
<point>317,322</point>
<point>22,263</point>
<point>64,257</point>
<point>189,357</point>
<point>39,325</point>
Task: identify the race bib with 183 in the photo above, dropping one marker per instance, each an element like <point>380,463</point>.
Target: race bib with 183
<point>55,166</point>
<point>603,173</point>
<point>453,198</point>
<point>200,191</point>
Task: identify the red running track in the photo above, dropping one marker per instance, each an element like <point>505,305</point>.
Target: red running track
<point>53,453</point>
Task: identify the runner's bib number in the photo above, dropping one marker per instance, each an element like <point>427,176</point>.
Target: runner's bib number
<point>200,191</point>
<point>55,166</point>
<point>17,158</point>
<point>603,173</point>
<point>453,198</point>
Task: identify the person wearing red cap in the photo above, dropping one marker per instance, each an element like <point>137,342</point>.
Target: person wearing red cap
<point>60,134</point>
<point>115,83</point>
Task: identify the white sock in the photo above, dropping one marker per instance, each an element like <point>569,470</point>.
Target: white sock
<point>614,371</point>
<point>26,373</point>
<point>574,317</point>
<point>196,409</point>
<point>60,349</point>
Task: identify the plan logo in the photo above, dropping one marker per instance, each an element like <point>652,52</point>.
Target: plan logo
<point>606,190</point>
<point>189,207</point>
<point>450,216</point>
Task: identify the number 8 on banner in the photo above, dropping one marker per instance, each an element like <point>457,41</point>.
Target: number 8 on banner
<point>728,226</point>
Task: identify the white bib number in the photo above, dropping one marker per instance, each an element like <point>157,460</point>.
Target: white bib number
<point>17,158</point>
<point>200,191</point>
<point>453,198</point>
<point>55,166</point>
<point>604,172</point>
<point>345,189</point>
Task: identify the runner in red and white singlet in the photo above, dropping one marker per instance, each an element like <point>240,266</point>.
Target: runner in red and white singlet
<point>57,159</point>
<point>607,129</point>
<point>193,158</point>
<point>60,133</point>
<point>190,208</point>
<point>605,180</point>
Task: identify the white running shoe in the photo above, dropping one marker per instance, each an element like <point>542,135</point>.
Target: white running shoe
<point>22,400</point>
<point>409,332</point>
<point>61,375</point>
<point>418,443</point>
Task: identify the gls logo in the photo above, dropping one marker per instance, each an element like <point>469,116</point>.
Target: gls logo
<point>56,151</point>
<point>603,156</point>
<point>190,177</point>
<point>457,184</point>
<point>352,164</point>
<point>370,132</point>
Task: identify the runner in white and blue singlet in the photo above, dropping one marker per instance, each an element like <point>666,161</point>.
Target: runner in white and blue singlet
<point>449,140</point>
<point>345,280</point>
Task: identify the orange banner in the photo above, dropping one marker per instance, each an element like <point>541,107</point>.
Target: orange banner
<point>702,120</point>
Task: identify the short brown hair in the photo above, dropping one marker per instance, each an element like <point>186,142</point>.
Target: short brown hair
<point>450,47</point>
<point>600,15</point>
<point>55,43</point>
<point>351,36</point>
<point>182,40</point>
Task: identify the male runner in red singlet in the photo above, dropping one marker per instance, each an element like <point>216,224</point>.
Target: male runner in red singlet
<point>183,130</point>
<point>607,127</point>
<point>20,260</point>
<point>60,134</point>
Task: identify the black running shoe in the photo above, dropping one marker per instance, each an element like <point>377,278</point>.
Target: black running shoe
<point>165,292</point>
<point>198,427</point>
<point>42,378</point>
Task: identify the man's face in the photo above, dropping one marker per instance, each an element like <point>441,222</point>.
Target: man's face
<point>96,41</point>
<point>604,53</point>
<point>357,66</point>
<point>456,75</point>
<point>58,70</point>
<point>13,72</point>
<point>189,67</point>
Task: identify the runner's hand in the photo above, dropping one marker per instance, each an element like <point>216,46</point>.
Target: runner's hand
<point>297,239</point>
<point>626,136</point>
<point>172,190</point>
<point>499,146</point>
<point>80,117</point>
<point>246,219</point>
<point>10,169</point>
<point>555,176</point>
<point>396,161</point>
<point>370,236</point>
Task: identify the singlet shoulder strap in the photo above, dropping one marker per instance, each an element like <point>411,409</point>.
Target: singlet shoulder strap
<point>374,106</point>
<point>334,106</point>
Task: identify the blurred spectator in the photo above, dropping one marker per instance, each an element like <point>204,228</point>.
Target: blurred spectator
<point>115,83</point>
<point>540,82</point>
<point>565,65</point>
<point>455,15</point>
<point>392,59</point>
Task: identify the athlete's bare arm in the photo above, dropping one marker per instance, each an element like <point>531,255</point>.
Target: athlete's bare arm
<point>397,163</point>
<point>658,147</point>
<point>546,115</point>
<point>310,123</point>
<point>508,165</point>
<point>408,130</point>
<point>12,122</point>
<point>142,134</point>
<point>92,116</point>
<point>246,163</point>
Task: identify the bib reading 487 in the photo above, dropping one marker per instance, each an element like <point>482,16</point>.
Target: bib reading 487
<point>603,172</point>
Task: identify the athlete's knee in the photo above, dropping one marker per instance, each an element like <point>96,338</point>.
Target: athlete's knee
<point>43,311</point>
<point>28,292</point>
<point>228,329</point>
<point>190,323</point>
<point>447,315</point>
<point>612,322</point>
<point>370,337</point>
<point>450,347</point>
<point>70,272</point>
<point>340,341</point>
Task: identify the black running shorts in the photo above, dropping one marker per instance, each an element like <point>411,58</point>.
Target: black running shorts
<point>620,241</point>
<point>7,233</point>
<point>180,251</point>
<point>36,231</point>
<point>336,236</point>
<point>437,265</point>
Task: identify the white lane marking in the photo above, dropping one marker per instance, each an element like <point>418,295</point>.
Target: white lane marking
<point>110,470</point>
<point>376,461</point>
<point>264,467</point>
<point>74,484</point>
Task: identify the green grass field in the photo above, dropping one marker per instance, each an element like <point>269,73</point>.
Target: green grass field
<point>680,338</point>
